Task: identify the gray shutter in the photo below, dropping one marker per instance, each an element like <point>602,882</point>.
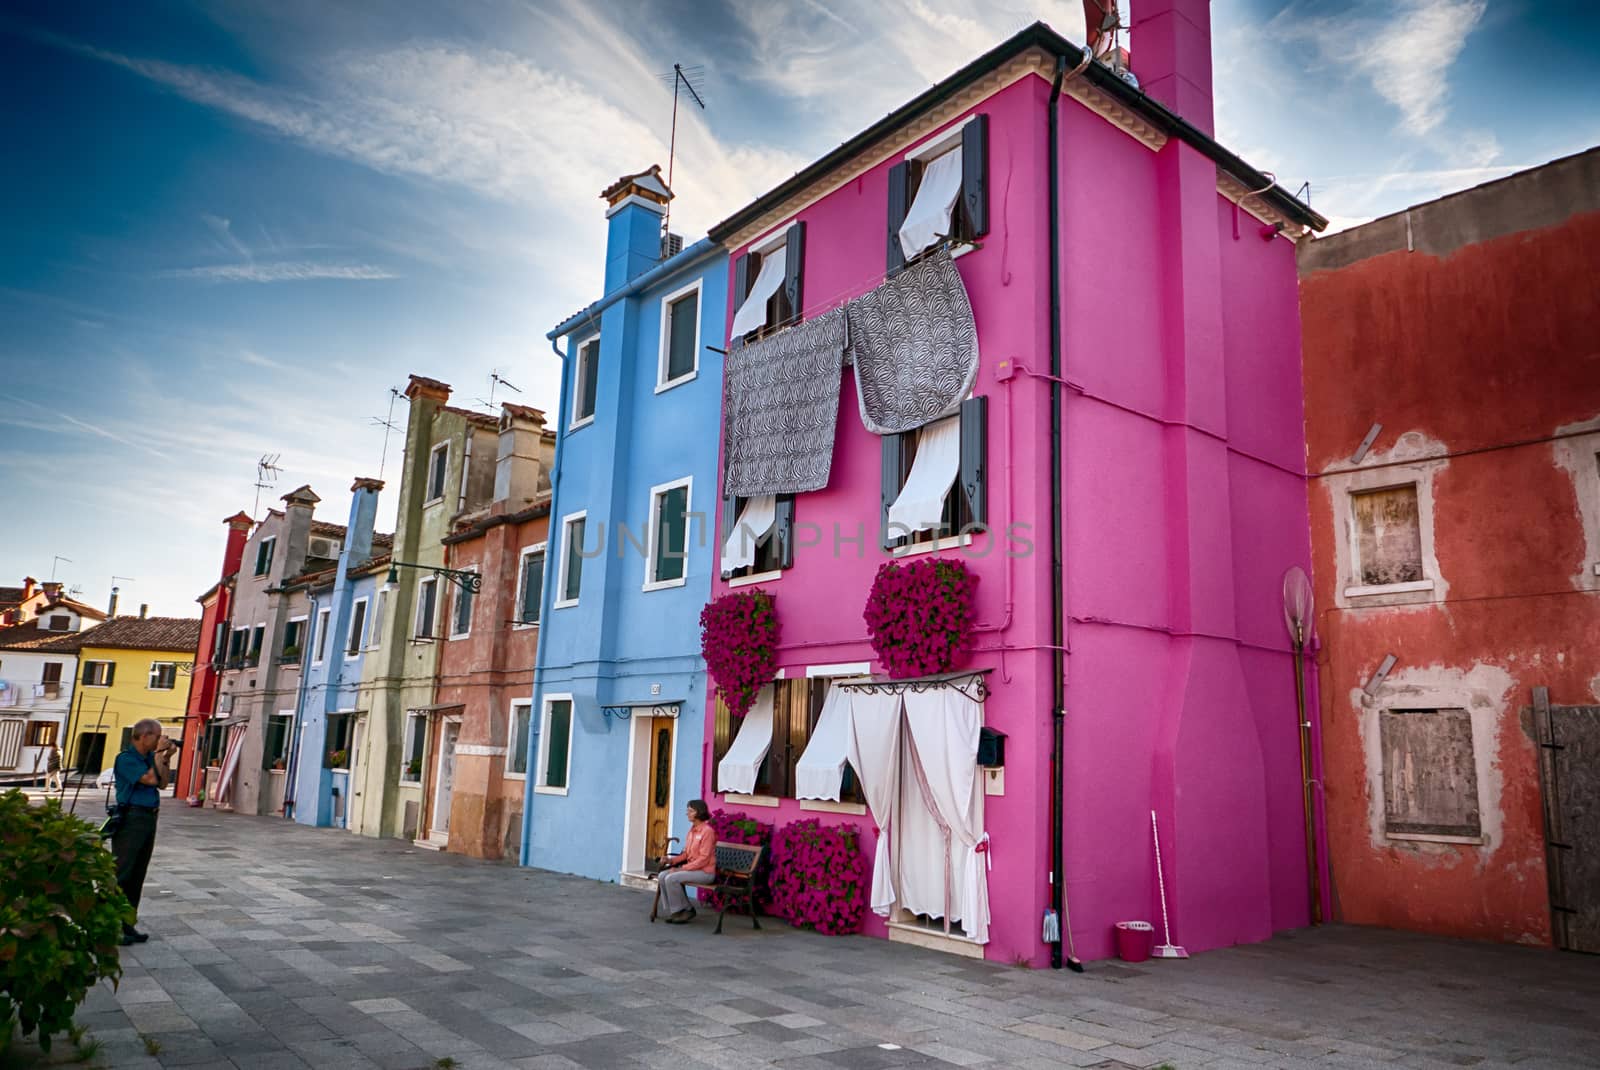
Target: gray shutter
<point>741,280</point>
<point>975,176</point>
<point>899,186</point>
<point>889,486</point>
<point>794,269</point>
<point>730,516</point>
<point>974,456</point>
<point>783,530</point>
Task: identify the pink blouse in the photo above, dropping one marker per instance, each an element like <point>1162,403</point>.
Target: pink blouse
<point>700,853</point>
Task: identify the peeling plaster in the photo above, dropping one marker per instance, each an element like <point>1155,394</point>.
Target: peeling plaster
<point>1414,458</point>
<point>1579,457</point>
<point>1483,691</point>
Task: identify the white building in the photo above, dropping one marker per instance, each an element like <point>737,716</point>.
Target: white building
<point>36,681</point>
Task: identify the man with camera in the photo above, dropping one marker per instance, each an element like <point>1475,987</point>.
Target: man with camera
<point>141,773</point>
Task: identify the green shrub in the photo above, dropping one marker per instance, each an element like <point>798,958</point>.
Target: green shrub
<point>61,916</point>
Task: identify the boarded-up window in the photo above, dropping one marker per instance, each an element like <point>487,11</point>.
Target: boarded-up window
<point>1430,782</point>
<point>1388,536</point>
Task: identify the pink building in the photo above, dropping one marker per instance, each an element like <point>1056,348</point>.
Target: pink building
<point>1179,503</point>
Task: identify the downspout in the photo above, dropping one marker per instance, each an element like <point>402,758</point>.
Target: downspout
<point>292,773</point>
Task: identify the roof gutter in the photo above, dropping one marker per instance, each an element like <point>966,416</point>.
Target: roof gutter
<point>700,250</point>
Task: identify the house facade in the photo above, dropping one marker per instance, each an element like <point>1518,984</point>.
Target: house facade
<point>38,672</point>
<point>129,668</point>
<point>615,745</point>
<point>1125,486</point>
<point>475,749</point>
<point>1453,431</point>
<point>209,657</point>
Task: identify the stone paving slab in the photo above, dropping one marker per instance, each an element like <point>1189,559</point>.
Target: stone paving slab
<point>277,947</point>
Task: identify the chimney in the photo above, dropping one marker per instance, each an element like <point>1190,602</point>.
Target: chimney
<point>519,462</point>
<point>1171,46</point>
<point>298,505</point>
<point>29,585</point>
<point>144,610</point>
<point>239,525</point>
<point>635,206</point>
<point>363,513</point>
<point>111,610</point>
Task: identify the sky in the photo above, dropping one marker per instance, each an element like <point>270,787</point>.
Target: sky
<point>231,229</point>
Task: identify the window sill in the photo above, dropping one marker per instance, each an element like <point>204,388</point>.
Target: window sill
<point>414,785</point>
<point>1389,588</point>
<point>755,578</point>
<point>519,777</point>
<point>160,689</point>
<point>542,790</point>
<point>934,940</point>
<point>751,800</point>
<point>1434,837</point>
<point>950,542</point>
<point>523,626</point>
<point>564,605</point>
<point>431,502</point>
<point>827,806</point>
<point>662,388</point>
<point>463,635</point>
<point>578,425</point>
<point>664,585</point>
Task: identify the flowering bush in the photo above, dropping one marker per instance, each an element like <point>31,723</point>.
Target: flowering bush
<point>819,877</point>
<point>737,828</point>
<point>919,615</point>
<point>739,639</point>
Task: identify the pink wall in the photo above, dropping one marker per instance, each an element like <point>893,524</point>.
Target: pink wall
<point>1175,539</point>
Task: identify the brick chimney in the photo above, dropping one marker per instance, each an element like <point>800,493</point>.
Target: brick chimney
<point>298,505</point>
<point>29,585</point>
<point>239,525</point>
<point>1171,54</point>
<point>635,206</point>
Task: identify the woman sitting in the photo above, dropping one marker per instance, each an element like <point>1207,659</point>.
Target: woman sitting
<point>696,865</point>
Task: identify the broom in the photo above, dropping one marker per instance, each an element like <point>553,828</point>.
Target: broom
<point>1167,950</point>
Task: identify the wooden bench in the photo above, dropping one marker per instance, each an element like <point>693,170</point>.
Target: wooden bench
<point>735,880</point>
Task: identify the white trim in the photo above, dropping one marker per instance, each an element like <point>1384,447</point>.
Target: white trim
<point>319,638</point>
<point>641,761</point>
<point>843,668</point>
<point>560,601</point>
<point>1411,461</point>
<point>380,613</point>
<point>150,675</point>
<point>434,830</point>
<point>1427,837</point>
<point>771,240</point>
<point>516,604</point>
<point>933,940</point>
<point>416,615</point>
<point>940,143</point>
<point>634,198</point>
<point>662,382</point>
<point>577,380</point>
<point>759,577</point>
<point>751,800</point>
<point>824,806</point>
<point>949,542</point>
<point>539,785</point>
<point>352,649</point>
<point>479,750</point>
<point>405,745</point>
<point>511,738</point>
<point>272,541</point>
<point>1389,588</point>
<point>657,492</point>
<point>305,635</point>
<point>435,499</point>
<point>455,606</point>
<point>83,669</point>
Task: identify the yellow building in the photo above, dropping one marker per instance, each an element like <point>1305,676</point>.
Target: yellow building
<point>129,668</point>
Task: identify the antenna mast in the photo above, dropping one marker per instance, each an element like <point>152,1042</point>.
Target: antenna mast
<point>267,472</point>
<point>682,77</point>
<point>387,423</point>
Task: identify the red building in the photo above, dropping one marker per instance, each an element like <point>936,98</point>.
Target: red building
<point>215,606</point>
<point>1452,380</point>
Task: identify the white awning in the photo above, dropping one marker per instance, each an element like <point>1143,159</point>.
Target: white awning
<point>753,313</point>
<point>754,521</point>
<point>230,763</point>
<point>929,217</point>
<point>820,771</point>
<point>739,767</point>
<point>920,505</point>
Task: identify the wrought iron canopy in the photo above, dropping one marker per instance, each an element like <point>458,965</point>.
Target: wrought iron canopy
<point>462,578</point>
<point>969,682</point>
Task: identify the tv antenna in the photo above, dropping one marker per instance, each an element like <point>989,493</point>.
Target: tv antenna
<point>693,79</point>
<point>57,561</point>
<point>496,379</point>
<point>267,472</point>
<point>387,423</point>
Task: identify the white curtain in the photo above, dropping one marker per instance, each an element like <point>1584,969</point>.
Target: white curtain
<point>929,217</point>
<point>754,521</point>
<point>820,772</point>
<point>753,313</point>
<point>875,756</point>
<point>739,767</point>
<point>920,505</point>
<point>230,763</point>
<point>944,725</point>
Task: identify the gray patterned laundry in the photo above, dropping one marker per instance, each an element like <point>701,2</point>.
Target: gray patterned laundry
<point>780,408</point>
<point>914,345</point>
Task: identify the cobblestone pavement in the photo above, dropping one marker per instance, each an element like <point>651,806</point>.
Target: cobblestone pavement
<point>276,947</point>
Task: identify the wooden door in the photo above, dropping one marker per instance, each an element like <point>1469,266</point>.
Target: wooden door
<point>658,805</point>
<point>1569,746</point>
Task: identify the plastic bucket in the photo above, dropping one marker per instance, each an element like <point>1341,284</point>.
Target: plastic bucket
<point>1134,939</point>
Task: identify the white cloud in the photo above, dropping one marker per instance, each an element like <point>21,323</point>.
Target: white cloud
<point>285,271</point>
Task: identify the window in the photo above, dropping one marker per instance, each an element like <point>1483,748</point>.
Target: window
<point>380,609</point>
<point>934,479</point>
<point>530,585</point>
<point>796,706</point>
<point>294,638</point>
<point>1386,537</point>
<point>427,606</point>
<point>275,750</point>
<point>238,645</point>
<point>51,674</point>
<point>320,653</point>
<point>680,337</point>
<point>42,733</point>
<point>571,578</point>
<point>219,644</point>
<point>585,382</point>
<point>939,192</point>
<point>163,676</point>
<point>1430,777</point>
<point>264,551</point>
<point>767,284</point>
<point>555,745</point>
<point>757,536</point>
<point>258,636</point>
<point>358,625</point>
<point>461,622</point>
<point>669,535</point>
<point>99,673</point>
<point>416,742</point>
<point>58,622</point>
<point>517,740</point>
<point>337,744</point>
<point>438,469</point>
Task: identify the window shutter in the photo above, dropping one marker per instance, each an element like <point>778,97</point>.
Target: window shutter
<point>794,268</point>
<point>975,175</point>
<point>799,720</point>
<point>899,204</point>
<point>741,279</point>
<point>889,486</point>
<point>724,734</point>
<point>730,517</point>
<point>111,673</point>
<point>783,530</point>
<point>974,457</point>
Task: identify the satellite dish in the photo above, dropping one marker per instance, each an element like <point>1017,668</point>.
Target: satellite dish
<point>1298,605</point>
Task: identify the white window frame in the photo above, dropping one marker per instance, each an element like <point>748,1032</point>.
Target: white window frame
<point>270,545</point>
<point>416,615</point>
<point>511,739</point>
<point>1344,486</point>
<point>516,606</point>
<point>652,533</point>
<point>662,382</point>
<point>435,499</point>
<point>352,645</point>
<point>769,242</point>
<point>577,380</point>
<point>405,749</point>
<point>561,601</point>
<point>83,673</point>
<point>288,743</point>
<point>304,636</point>
<point>380,610</point>
<point>150,677</point>
<point>544,743</point>
<point>930,149</point>
<point>319,641</point>
<point>455,607</point>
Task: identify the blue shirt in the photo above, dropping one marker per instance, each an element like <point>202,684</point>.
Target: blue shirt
<point>129,767</point>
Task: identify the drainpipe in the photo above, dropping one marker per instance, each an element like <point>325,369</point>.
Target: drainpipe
<point>292,771</point>
<point>1058,710</point>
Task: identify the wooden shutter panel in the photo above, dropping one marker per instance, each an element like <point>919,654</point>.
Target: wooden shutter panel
<point>799,731</point>
<point>975,176</point>
<point>974,456</point>
<point>741,280</point>
<point>899,198</point>
<point>723,738</point>
<point>783,530</point>
<point>889,485</point>
<point>794,268</point>
<point>730,517</point>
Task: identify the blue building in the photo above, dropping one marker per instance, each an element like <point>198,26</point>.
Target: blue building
<point>619,687</point>
<point>347,605</point>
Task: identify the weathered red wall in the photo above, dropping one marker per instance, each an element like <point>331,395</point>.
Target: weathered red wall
<point>1489,349</point>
